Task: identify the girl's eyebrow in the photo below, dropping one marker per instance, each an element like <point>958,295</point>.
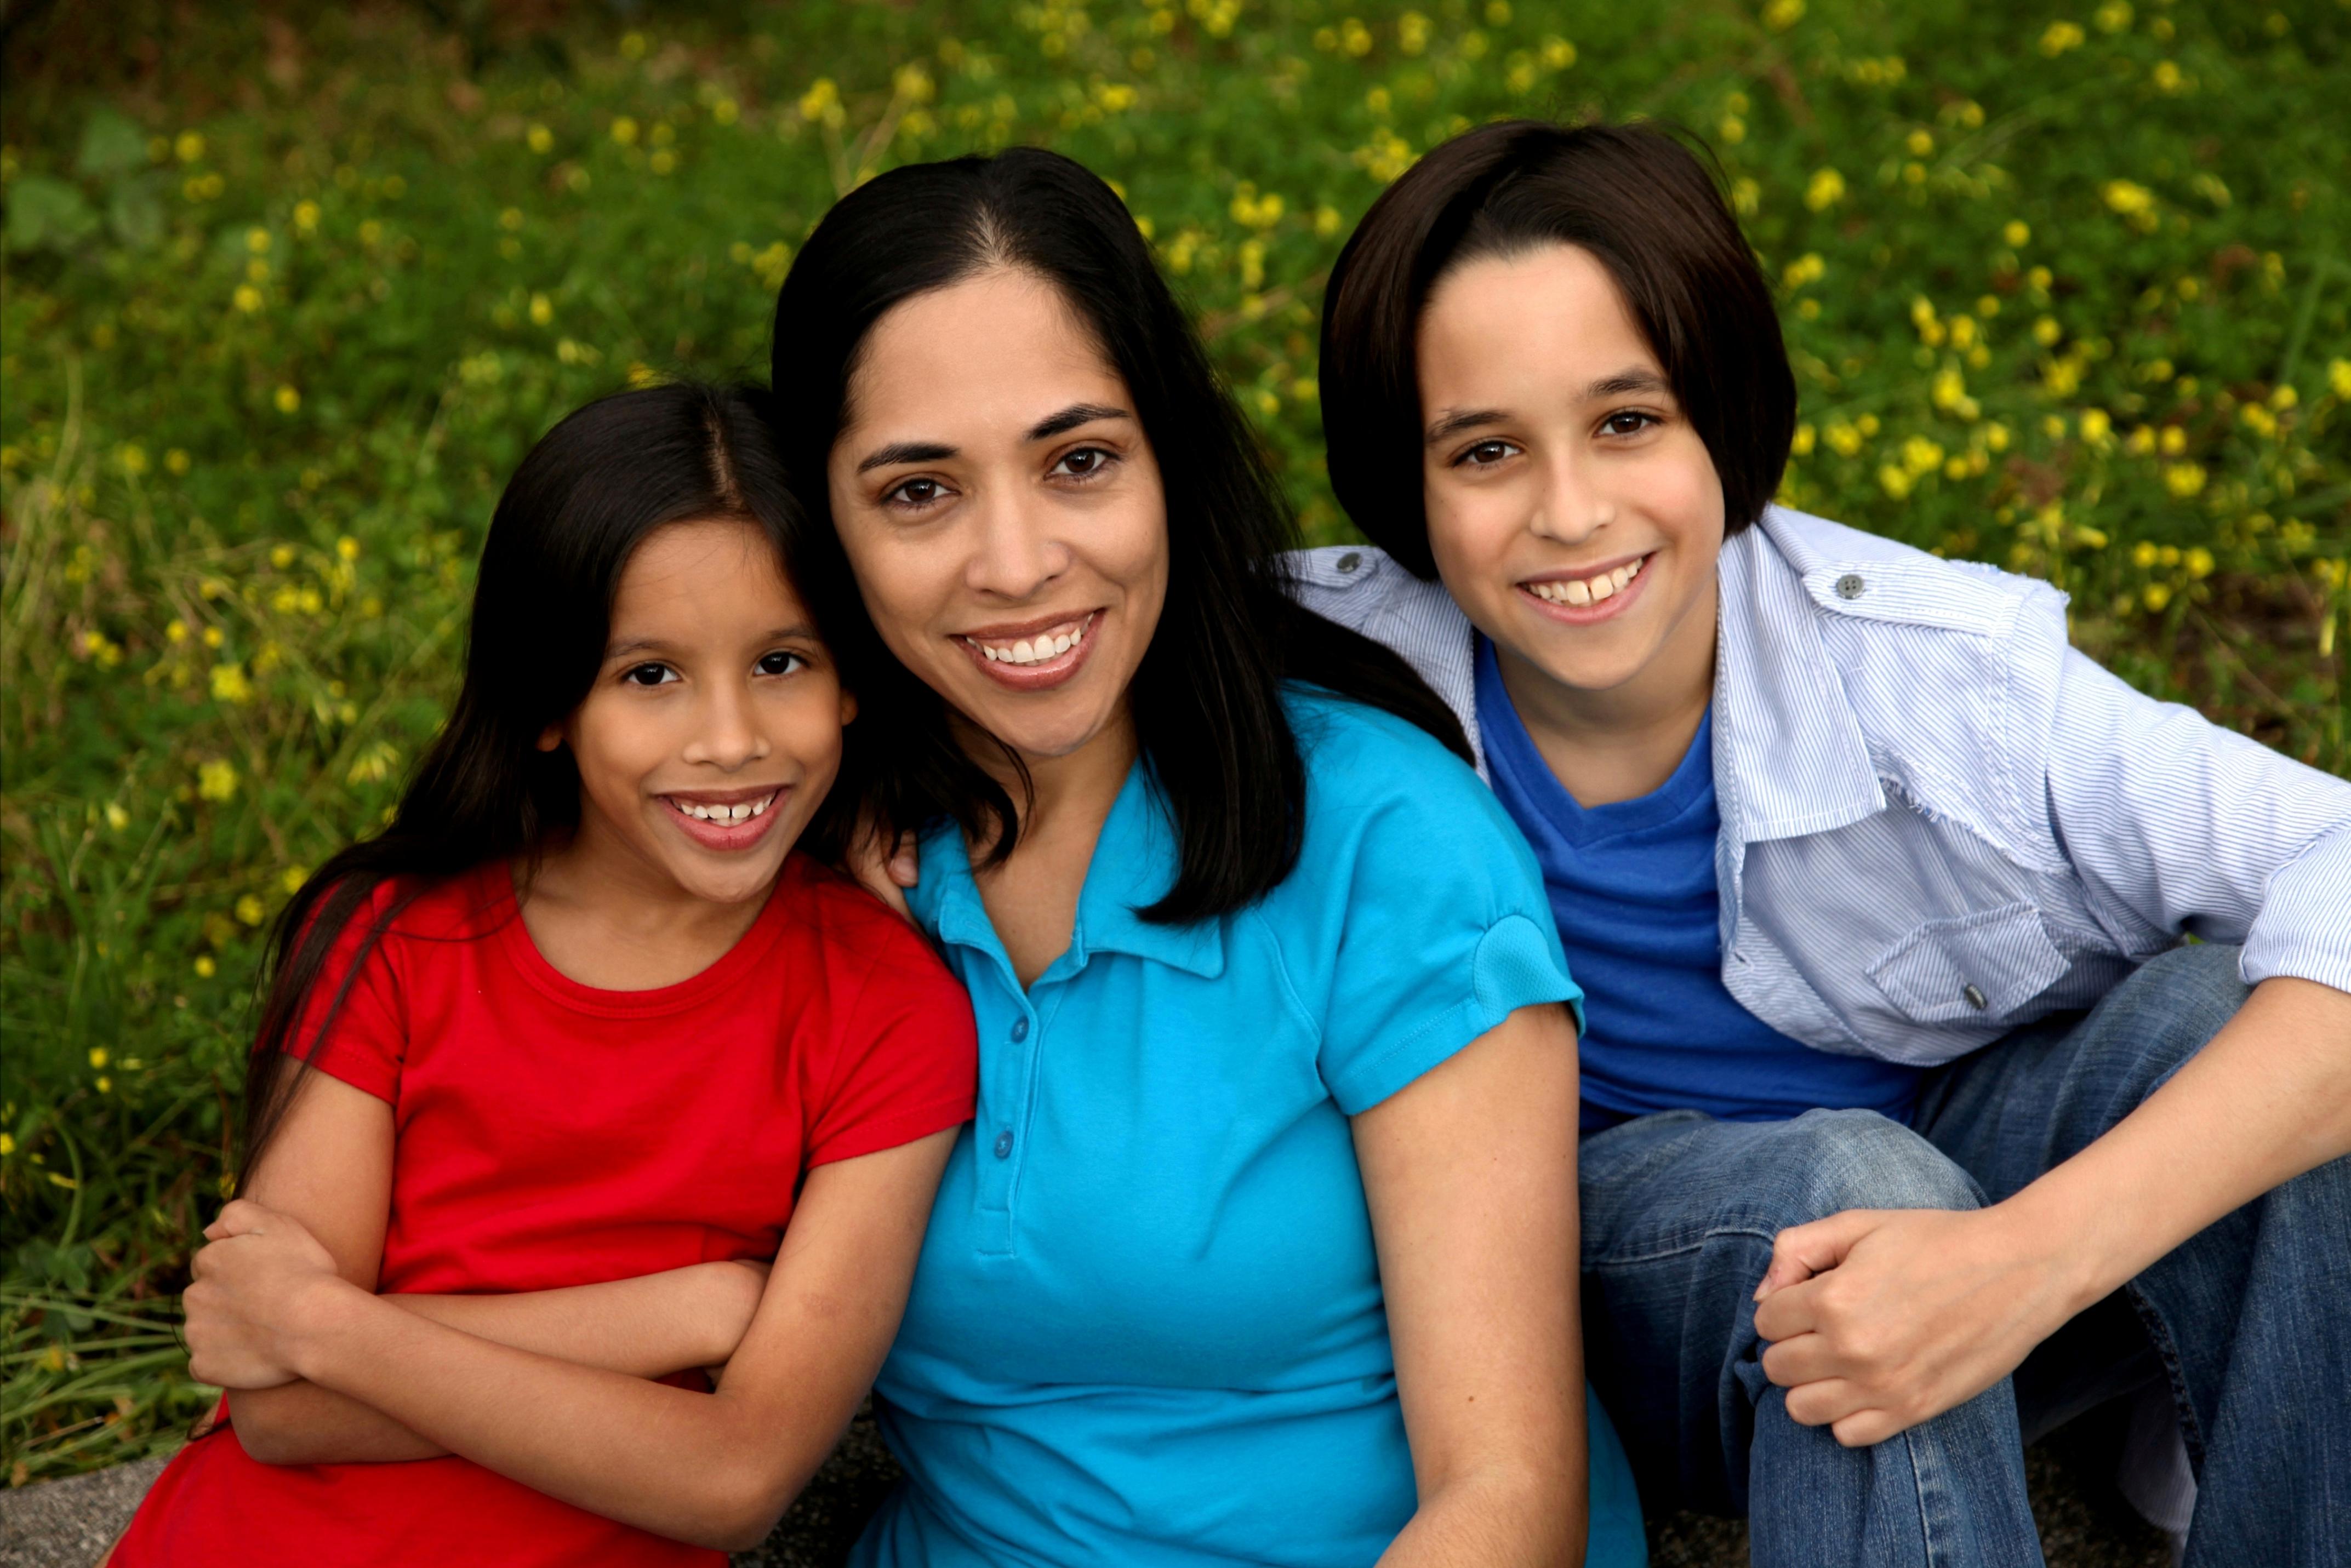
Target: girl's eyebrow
<point>655,645</point>
<point>1461,419</point>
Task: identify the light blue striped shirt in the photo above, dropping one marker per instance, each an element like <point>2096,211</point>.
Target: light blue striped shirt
<point>1940,821</point>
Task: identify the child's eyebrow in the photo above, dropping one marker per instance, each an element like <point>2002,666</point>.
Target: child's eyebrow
<point>796,632</point>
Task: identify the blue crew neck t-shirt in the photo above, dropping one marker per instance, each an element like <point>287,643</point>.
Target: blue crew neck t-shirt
<point>1147,1327</point>
<point>1632,888</point>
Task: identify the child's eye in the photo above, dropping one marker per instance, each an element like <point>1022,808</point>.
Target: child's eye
<point>649,675</point>
<point>781,662</point>
<point>1084,463</point>
<point>1486,454</point>
<point>1627,421</point>
<point>914,494</point>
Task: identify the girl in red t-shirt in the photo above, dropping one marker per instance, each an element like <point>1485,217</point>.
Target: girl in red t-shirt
<point>546,1067</point>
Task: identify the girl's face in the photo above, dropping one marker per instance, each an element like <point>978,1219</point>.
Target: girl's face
<point>713,727</point>
<point>1572,511</point>
<point>1002,509</point>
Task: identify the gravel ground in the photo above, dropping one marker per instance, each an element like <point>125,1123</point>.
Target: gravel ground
<point>68,1523</point>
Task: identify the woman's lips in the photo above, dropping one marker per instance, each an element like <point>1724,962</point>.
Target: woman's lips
<point>727,835</point>
<point>1016,658</point>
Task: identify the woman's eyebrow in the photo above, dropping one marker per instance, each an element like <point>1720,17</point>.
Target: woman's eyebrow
<point>906,452</point>
<point>1071,418</point>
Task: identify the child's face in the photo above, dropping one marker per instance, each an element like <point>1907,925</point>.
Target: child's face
<point>715,698</point>
<point>1001,507</point>
<point>1572,511</point>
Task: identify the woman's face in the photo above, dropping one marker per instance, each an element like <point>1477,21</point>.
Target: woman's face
<point>713,730</point>
<point>1002,509</point>
<point>1573,512</point>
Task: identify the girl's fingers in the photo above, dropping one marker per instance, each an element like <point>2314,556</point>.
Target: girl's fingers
<point>1802,1250</point>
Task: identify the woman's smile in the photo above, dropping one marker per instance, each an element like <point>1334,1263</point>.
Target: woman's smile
<point>1034,655</point>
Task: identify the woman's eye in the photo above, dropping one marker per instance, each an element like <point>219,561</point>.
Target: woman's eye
<point>915,493</point>
<point>1626,422</point>
<point>1486,454</point>
<point>649,675</point>
<point>1083,463</point>
<point>780,663</point>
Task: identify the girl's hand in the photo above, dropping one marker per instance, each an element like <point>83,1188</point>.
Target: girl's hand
<point>250,1284</point>
<point>1880,1319</point>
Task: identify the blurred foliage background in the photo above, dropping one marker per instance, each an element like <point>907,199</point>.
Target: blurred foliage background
<point>288,290</point>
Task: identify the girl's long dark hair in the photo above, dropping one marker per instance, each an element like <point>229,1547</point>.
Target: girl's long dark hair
<point>1207,699</point>
<point>573,514</point>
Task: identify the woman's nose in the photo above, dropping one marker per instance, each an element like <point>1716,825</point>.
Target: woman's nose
<point>1017,555</point>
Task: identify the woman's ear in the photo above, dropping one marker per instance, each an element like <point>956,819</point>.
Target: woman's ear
<point>848,705</point>
<point>551,738</point>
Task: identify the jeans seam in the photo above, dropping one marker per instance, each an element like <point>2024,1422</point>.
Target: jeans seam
<point>1678,1247</point>
<point>2158,1335</point>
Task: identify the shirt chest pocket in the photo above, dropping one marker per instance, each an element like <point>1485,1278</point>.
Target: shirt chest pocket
<point>1984,965</point>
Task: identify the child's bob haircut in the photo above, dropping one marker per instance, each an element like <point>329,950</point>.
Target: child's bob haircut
<point>1641,202</point>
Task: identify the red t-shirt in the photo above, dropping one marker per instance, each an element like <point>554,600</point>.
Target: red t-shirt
<point>550,1134</point>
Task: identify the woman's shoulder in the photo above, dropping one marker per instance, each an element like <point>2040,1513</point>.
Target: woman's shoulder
<point>1365,766</point>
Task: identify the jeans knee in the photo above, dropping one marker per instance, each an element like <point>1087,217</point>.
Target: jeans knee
<point>1859,1160</point>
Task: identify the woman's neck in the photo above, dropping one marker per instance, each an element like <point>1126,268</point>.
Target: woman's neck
<point>1623,742</point>
<point>602,917</point>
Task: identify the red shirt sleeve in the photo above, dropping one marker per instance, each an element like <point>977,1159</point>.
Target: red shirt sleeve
<point>905,1056</point>
<point>364,1039</point>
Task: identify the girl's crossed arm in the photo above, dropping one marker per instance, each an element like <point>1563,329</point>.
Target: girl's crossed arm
<point>269,1305</point>
<point>330,1167</point>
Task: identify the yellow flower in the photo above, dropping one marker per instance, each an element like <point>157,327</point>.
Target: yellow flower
<point>2016,232</point>
<point>1867,424</point>
<point>116,817</point>
<point>1996,437</point>
<point>8,1144</point>
<point>1326,221</point>
<point>2127,197</point>
<point>1802,444</point>
<point>1843,439</point>
<point>625,130</point>
<point>287,400</point>
<point>540,139</point>
<point>1730,129</point>
<point>205,967</point>
<point>2338,378</point>
<point>281,556</point>
<point>2200,562</point>
<point>189,147</point>
<point>250,910</point>
<point>2113,17</point>
<point>2143,554</point>
<point>2284,397</point>
<point>541,310</point>
<point>2053,427</point>
<point>1805,269</point>
<point>293,878</point>
<point>1824,190</point>
<point>98,1055</point>
<point>2174,440</point>
<point>216,780</point>
<point>2155,596</point>
<point>2046,331</point>
<point>1895,480</point>
<point>2168,79</point>
<point>1918,143</point>
<point>247,298</point>
<point>2060,37</point>
<point>1560,55</point>
<point>1921,455</point>
<point>1781,15</point>
<point>229,684</point>
<point>2259,420</point>
<point>823,102</point>
<point>2183,479</point>
<point>2097,426</point>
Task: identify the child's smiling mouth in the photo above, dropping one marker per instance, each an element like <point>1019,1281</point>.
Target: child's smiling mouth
<point>726,819</point>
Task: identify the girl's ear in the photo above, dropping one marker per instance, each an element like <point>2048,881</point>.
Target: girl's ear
<point>848,705</point>
<point>550,738</point>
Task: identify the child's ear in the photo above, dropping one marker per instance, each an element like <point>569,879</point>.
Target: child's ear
<point>848,705</point>
<point>550,738</point>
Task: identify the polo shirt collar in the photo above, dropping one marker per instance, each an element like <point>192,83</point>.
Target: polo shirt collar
<point>1134,865</point>
<point>1790,755</point>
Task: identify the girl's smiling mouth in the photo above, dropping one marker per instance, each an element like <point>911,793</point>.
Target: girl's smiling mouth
<point>1591,593</point>
<point>726,819</point>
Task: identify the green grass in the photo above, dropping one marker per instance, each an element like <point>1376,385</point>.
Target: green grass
<point>281,308</point>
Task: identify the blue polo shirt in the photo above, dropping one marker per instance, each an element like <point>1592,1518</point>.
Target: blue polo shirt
<point>1147,1326</point>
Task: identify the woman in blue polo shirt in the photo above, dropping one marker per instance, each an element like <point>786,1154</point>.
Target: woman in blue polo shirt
<point>1260,1248</point>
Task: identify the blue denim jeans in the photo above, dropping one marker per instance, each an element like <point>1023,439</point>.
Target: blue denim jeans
<point>2249,1321</point>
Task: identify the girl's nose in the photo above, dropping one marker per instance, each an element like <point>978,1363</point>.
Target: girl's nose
<point>728,735</point>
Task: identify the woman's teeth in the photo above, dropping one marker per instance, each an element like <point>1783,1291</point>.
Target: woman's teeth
<point>744,811</point>
<point>1036,650</point>
<point>1587,590</point>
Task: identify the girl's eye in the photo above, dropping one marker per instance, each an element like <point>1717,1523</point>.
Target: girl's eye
<point>914,494</point>
<point>780,663</point>
<point>1627,421</point>
<point>1486,454</point>
<point>1083,463</point>
<point>649,675</point>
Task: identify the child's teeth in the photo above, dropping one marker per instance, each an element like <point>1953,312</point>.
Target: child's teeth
<point>1588,590</point>
<point>1577,593</point>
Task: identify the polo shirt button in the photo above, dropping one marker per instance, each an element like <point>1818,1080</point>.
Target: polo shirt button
<point>1975,997</point>
<point>1019,1030</point>
<point>1350,561</point>
<point>1850,585</point>
<point>1004,1143</point>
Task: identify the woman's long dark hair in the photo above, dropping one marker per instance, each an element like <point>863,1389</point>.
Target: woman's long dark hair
<point>1205,700</point>
<point>575,511</point>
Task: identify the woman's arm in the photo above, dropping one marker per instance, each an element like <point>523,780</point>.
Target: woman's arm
<point>330,1168</point>
<point>268,1305</point>
<point>1470,1175</point>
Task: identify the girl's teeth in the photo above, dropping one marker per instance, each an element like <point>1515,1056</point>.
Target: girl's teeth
<point>727,815</point>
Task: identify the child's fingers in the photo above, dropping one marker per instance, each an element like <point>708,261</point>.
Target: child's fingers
<point>1802,1250</point>
<point>905,865</point>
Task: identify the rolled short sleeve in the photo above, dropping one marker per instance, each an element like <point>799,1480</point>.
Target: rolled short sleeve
<point>905,1057</point>
<point>353,1026</point>
<point>1430,900</point>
